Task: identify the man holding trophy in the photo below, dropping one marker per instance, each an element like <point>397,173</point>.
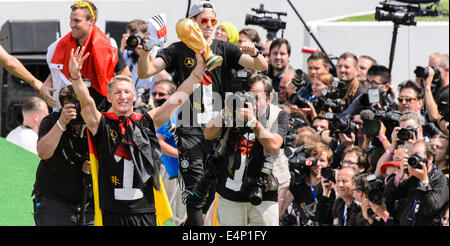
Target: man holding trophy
<point>196,33</point>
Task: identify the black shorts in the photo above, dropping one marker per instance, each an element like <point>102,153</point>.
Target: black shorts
<point>118,219</point>
<point>193,150</point>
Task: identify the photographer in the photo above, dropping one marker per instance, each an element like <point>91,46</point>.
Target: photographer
<point>248,195</point>
<point>436,87</point>
<point>407,133</point>
<point>422,198</point>
<point>440,147</point>
<point>132,48</point>
<point>368,191</point>
<point>301,200</point>
<point>347,71</point>
<point>61,188</point>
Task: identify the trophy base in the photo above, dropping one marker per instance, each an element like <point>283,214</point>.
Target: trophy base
<point>213,61</point>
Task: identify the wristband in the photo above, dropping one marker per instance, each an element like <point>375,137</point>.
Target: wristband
<point>389,152</point>
<point>257,54</point>
<point>60,126</point>
<point>398,177</point>
<point>197,76</point>
<point>385,219</point>
<point>382,139</point>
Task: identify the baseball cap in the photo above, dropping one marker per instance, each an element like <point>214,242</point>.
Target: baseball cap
<point>199,7</point>
<point>387,164</point>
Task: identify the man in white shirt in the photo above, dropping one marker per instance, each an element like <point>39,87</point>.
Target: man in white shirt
<point>34,109</point>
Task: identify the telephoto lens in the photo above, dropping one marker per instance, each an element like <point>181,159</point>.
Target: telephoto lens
<point>415,160</point>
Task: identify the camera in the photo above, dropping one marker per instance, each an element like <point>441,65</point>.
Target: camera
<point>415,160</point>
<point>375,189</point>
<point>272,25</point>
<point>236,101</point>
<point>328,173</point>
<point>398,13</point>
<point>422,72</point>
<point>371,120</point>
<point>291,135</point>
<point>240,81</point>
<point>79,120</point>
<point>407,133</point>
<point>300,79</point>
<point>340,125</point>
<point>254,187</point>
<point>133,41</point>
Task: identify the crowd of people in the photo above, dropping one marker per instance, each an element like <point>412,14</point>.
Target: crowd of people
<point>279,146</point>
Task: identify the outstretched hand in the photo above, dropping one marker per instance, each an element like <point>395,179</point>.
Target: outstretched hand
<point>76,62</point>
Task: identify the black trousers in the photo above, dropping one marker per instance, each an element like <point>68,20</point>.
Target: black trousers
<point>50,212</point>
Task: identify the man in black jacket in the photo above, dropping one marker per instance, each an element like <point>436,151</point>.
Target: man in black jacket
<point>421,198</point>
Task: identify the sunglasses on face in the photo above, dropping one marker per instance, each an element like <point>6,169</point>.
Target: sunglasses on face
<point>205,21</point>
<point>407,99</point>
<point>84,4</point>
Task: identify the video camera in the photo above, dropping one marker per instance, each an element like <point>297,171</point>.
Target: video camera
<point>372,120</point>
<point>298,161</point>
<point>272,25</point>
<point>399,13</point>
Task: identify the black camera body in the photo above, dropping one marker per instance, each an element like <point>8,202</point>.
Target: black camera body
<point>407,133</point>
<point>340,125</point>
<point>415,160</point>
<point>375,189</point>
<point>133,41</point>
<point>254,188</point>
<point>422,72</point>
<point>236,101</point>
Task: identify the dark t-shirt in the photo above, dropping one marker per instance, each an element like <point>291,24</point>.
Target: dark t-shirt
<point>57,177</point>
<point>230,182</point>
<point>180,61</point>
<point>119,190</point>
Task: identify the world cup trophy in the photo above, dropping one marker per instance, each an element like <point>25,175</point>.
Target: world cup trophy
<point>190,34</point>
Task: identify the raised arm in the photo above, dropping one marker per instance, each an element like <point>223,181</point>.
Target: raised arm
<point>162,114</point>
<point>149,66</point>
<point>89,110</point>
<point>251,57</point>
<point>16,68</point>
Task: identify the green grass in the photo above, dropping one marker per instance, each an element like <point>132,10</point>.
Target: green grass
<point>443,5</point>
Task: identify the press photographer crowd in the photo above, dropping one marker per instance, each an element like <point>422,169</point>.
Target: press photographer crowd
<point>245,136</point>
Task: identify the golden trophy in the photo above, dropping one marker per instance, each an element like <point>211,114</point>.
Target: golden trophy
<point>190,33</point>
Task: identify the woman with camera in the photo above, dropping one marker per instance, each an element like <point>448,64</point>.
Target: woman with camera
<point>300,203</point>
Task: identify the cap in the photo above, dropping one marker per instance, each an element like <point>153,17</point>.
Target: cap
<point>199,7</point>
<point>389,164</point>
<point>232,31</point>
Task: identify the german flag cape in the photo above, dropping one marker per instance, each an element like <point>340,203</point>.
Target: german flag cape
<point>162,205</point>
